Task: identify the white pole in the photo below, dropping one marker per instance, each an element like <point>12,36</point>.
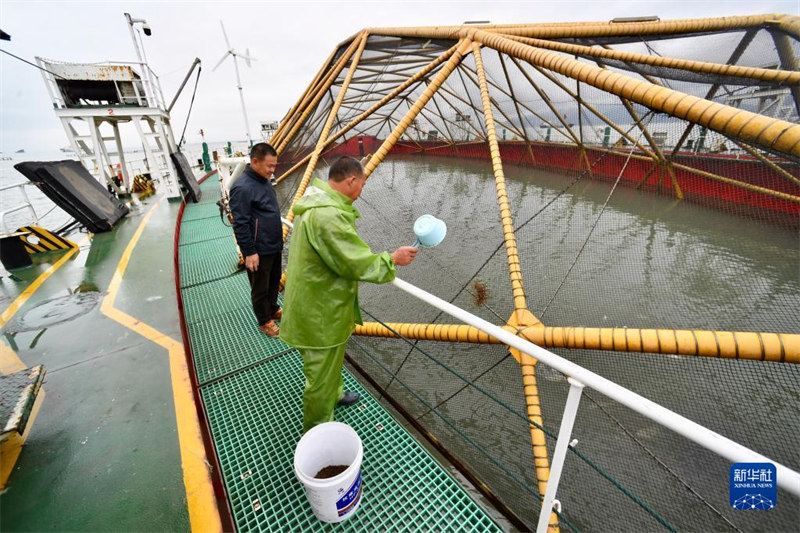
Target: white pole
<point>148,76</point>
<point>142,62</point>
<point>133,37</point>
<point>241,97</point>
<point>560,453</point>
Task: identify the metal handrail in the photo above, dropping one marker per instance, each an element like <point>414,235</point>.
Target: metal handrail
<point>579,378</point>
<point>153,95</point>
<point>24,205</point>
<point>230,168</point>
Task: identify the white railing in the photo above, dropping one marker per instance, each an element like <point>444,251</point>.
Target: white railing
<point>230,168</point>
<point>579,378</point>
<point>147,87</point>
<point>26,204</point>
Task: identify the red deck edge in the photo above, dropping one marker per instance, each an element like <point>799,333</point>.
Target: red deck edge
<point>226,514</point>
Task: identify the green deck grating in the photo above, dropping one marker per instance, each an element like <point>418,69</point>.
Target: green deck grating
<point>252,390</point>
<point>204,210</point>
<point>195,231</point>
<point>207,300</point>
<point>230,342</point>
<point>208,261</point>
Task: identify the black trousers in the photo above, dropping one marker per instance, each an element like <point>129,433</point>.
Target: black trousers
<point>264,283</point>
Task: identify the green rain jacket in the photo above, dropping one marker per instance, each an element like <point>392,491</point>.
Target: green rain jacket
<point>327,260</point>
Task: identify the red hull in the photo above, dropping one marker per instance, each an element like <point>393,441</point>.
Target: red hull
<point>638,173</point>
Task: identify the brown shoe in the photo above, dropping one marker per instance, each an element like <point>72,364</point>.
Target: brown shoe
<point>277,314</point>
<point>270,329</point>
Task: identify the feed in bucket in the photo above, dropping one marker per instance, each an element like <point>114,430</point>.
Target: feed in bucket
<point>429,230</point>
<point>324,450</point>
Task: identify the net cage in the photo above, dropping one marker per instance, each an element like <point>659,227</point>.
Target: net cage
<point>625,194</point>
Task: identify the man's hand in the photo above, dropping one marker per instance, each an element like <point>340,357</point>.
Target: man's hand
<point>251,262</point>
<point>365,160</point>
<point>404,255</point>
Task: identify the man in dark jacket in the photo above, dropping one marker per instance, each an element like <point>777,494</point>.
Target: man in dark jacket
<point>257,226</point>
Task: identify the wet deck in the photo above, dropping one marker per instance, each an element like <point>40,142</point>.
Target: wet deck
<point>103,452</point>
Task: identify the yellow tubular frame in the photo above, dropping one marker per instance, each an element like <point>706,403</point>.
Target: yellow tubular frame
<point>531,389</point>
<point>769,133</point>
<point>312,164</point>
<point>533,44</point>
<point>776,347</point>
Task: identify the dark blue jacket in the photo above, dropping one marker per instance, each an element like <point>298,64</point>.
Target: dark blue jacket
<point>256,215</point>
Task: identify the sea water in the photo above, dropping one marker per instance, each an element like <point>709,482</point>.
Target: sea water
<point>596,258</point>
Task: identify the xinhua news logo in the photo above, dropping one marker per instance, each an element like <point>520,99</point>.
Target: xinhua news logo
<point>753,486</point>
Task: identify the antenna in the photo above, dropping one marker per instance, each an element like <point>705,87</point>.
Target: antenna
<point>247,59</point>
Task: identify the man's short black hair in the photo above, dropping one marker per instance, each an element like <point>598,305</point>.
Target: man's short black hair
<point>343,168</point>
<point>262,150</point>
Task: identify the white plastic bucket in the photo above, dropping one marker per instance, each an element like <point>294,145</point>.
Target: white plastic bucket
<point>333,499</point>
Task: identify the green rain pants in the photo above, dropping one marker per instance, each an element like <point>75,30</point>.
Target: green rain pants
<point>324,386</point>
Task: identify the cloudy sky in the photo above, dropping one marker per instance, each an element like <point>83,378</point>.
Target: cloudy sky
<point>290,40</point>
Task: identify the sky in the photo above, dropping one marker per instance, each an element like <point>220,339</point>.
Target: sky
<point>289,40</point>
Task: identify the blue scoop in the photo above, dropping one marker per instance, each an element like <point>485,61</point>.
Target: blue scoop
<point>429,230</point>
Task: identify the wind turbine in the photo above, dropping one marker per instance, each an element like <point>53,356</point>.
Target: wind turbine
<point>246,56</point>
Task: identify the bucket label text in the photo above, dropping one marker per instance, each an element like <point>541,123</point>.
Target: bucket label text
<point>350,498</point>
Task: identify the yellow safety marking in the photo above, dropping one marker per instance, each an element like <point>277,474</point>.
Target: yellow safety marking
<point>12,446</point>
<point>47,241</point>
<point>10,363</point>
<point>9,360</point>
<point>202,505</point>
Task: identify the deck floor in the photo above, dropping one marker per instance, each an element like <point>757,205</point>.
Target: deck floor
<point>251,387</point>
<point>103,453</point>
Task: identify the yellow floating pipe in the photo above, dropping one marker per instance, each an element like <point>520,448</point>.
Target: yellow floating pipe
<point>426,95</point>
<point>761,346</point>
<point>777,347</point>
<point>322,78</point>
<point>318,94</point>
<point>538,437</point>
<point>637,29</point>
<point>428,332</point>
<point>716,69</point>
<point>521,319</point>
<point>530,387</point>
<point>769,133</point>
<point>312,164</point>
<point>742,185</point>
<point>300,101</point>
<point>402,87</point>
<point>514,270</point>
<point>576,30</point>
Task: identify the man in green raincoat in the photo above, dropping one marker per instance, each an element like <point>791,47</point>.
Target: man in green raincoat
<point>327,260</point>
